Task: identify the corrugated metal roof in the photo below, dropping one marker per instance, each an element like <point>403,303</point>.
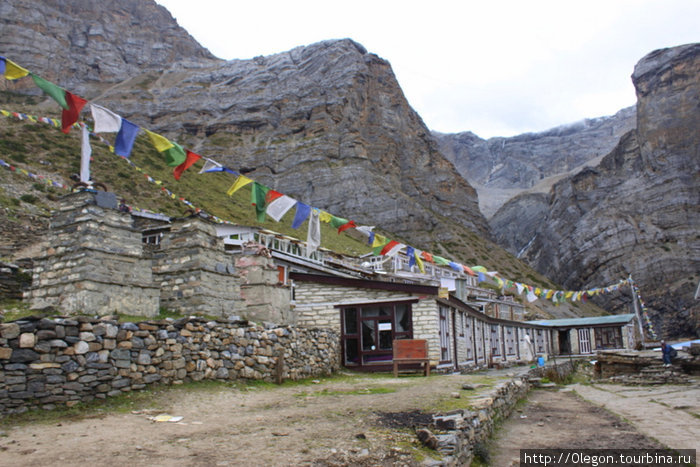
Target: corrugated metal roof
<point>588,321</point>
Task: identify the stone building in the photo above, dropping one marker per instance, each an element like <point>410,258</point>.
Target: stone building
<point>100,261</point>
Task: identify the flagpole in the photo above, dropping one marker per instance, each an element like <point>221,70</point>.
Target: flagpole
<point>636,311</point>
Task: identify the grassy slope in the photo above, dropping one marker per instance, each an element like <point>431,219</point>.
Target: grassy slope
<point>44,150</point>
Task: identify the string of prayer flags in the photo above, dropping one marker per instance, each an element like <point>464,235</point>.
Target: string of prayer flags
<point>11,70</point>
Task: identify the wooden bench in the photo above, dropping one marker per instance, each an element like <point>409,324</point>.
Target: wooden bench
<point>411,351</point>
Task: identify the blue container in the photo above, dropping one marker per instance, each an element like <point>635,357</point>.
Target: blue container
<point>540,361</point>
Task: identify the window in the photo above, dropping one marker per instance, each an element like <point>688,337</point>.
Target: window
<point>369,332</point>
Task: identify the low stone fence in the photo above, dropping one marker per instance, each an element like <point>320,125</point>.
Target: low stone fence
<point>64,361</point>
<point>462,430</point>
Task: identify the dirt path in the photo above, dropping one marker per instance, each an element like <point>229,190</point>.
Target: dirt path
<point>552,419</point>
<point>341,421</point>
<point>669,413</point>
<point>317,424</point>
<point>601,416</point>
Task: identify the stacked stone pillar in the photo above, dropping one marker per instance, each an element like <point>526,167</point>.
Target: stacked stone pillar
<point>194,273</point>
<point>94,262</point>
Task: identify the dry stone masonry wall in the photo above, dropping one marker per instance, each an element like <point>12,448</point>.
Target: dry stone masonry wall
<point>50,362</point>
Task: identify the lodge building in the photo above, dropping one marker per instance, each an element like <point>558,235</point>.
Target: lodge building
<point>100,260</point>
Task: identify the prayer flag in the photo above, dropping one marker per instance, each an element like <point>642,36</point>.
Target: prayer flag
<point>211,166</point>
<point>468,270</point>
<point>323,216</point>
<point>85,153</point>
<point>419,261</point>
<point>411,253</point>
<point>313,239</point>
<point>70,116</point>
<point>161,143</point>
<point>337,222</point>
<point>439,260</point>
<point>57,93</point>
<point>105,120</point>
<point>13,71</point>
<point>392,248</point>
<point>346,226</point>
<point>427,256</point>
<point>257,198</point>
<point>531,297</point>
<point>302,212</point>
<point>175,156</point>
<point>125,138</point>
<point>456,266</point>
<point>240,182</point>
<point>189,162</point>
<point>271,196</point>
<point>280,206</point>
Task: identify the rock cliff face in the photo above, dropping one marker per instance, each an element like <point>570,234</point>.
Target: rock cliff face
<point>501,168</point>
<point>327,123</point>
<point>86,45</point>
<point>638,211</point>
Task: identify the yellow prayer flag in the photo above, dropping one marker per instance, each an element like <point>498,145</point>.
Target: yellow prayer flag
<point>161,143</point>
<point>568,294</point>
<point>323,216</point>
<point>14,71</point>
<point>419,261</point>
<point>379,240</point>
<point>550,294</point>
<point>240,182</point>
<point>5,113</point>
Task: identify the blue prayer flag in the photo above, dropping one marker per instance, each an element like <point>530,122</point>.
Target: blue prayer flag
<point>303,211</point>
<point>125,138</point>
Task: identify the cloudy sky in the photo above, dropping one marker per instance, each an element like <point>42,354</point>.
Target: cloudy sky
<point>497,68</point>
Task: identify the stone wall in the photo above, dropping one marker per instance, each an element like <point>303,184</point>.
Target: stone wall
<point>51,362</point>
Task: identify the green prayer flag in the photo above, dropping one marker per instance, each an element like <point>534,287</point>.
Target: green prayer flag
<point>175,155</point>
<point>56,92</point>
<point>336,222</point>
<point>257,197</point>
<point>440,260</point>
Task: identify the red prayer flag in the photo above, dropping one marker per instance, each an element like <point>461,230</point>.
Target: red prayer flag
<point>388,247</point>
<point>189,161</point>
<point>272,195</point>
<point>427,256</point>
<point>349,225</point>
<point>468,270</point>
<point>70,116</point>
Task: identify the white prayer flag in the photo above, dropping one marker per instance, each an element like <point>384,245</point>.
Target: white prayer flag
<point>279,207</point>
<point>106,121</point>
<point>313,239</point>
<point>85,154</point>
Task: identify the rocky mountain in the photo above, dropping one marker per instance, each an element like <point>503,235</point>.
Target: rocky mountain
<point>84,45</point>
<point>502,168</point>
<point>636,212</point>
<point>326,123</point>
